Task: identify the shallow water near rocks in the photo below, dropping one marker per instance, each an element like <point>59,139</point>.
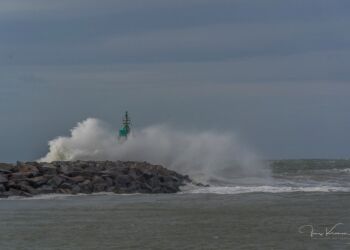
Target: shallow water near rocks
<point>173,221</point>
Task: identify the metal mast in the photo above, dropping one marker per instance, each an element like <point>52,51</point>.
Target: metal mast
<point>125,130</point>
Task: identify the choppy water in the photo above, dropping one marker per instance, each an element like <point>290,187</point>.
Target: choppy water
<point>247,213</point>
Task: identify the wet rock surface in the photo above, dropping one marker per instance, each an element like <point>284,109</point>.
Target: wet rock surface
<point>73,177</point>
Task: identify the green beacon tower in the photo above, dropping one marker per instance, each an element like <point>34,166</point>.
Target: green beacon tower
<point>125,130</point>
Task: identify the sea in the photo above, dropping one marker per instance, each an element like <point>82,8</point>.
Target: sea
<point>304,204</point>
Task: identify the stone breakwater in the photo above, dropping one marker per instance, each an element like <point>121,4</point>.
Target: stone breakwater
<point>33,178</point>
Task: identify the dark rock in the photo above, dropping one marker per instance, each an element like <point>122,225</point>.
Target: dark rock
<point>109,181</point>
<point>27,188</point>
<point>16,192</point>
<point>66,169</point>
<point>48,169</point>
<point>18,176</point>
<point>154,182</point>
<point>38,181</point>
<point>11,183</point>
<point>33,163</point>
<point>86,187</point>
<point>135,173</point>
<point>70,170</point>
<point>147,175</point>
<point>111,166</point>
<point>25,168</point>
<point>64,191</point>
<point>3,178</point>
<point>146,188</point>
<point>97,179</point>
<point>76,189</point>
<point>65,177</point>
<point>13,192</point>
<point>55,181</point>
<point>110,189</point>
<point>66,185</point>
<point>135,187</point>
<point>76,179</point>
<point>4,171</point>
<point>6,167</point>
<point>45,189</point>
<point>201,184</point>
<point>171,188</point>
<point>123,180</point>
<point>100,187</point>
<point>92,169</point>
<point>4,195</point>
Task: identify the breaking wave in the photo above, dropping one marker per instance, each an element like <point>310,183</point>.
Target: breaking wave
<point>203,155</point>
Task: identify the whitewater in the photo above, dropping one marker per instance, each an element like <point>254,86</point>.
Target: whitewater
<point>218,159</point>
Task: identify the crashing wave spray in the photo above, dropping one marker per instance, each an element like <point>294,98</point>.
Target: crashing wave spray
<point>203,155</point>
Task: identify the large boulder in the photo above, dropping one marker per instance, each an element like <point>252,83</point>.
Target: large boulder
<point>15,192</point>
<point>18,176</point>
<point>66,185</point>
<point>70,169</point>
<point>86,187</point>
<point>38,181</point>
<point>47,169</point>
<point>97,179</point>
<point>100,187</point>
<point>46,189</point>
<point>25,187</point>
<point>3,179</point>
<point>27,169</point>
<point>55,181</point>
<point>2,188</point>
<point>76,189</point>
<point>6,168</point>
<point>76,179</point>
<point>123,180</point>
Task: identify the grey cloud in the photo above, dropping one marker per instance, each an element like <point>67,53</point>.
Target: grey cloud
<point>224,42</point>
<point>276,71</point>
<point>324,66</point>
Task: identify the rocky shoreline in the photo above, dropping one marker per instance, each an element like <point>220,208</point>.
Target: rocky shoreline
<point>73,177</point>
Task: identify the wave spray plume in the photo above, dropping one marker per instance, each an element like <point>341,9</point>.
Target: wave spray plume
<point>205,156</point>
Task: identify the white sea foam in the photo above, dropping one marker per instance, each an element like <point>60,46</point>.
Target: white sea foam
<point>63,196</point>
<point>265,189</point>
<point>41,197</point>
<point>191,189</point>
<point>344,170</point>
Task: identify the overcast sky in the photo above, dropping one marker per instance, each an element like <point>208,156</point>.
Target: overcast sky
<point>274,72</point>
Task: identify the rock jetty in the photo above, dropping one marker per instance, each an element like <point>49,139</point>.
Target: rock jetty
<point>73,177</point>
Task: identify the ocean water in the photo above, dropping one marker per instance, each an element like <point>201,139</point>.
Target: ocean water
<point>301,206</point>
